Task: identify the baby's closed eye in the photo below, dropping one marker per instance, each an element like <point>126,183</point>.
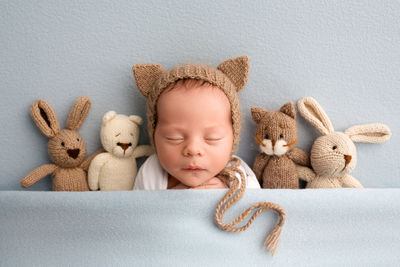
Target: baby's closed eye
<point>213,139</point>
<point>174,137</point>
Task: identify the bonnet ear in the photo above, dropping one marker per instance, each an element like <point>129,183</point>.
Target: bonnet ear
<point>369,133</point>
<point>237,69</point>
<point>257,114</point>
<point>312,111</point>
<point>289,110</point>
<point>78,113</point>
<point>45,118</point>
<point>135,119</point>
<point>146,75</point>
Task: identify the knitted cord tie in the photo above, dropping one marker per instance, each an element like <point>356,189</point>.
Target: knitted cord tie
<point>272,240</point>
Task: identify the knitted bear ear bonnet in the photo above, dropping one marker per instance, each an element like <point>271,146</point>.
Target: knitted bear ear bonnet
<point>230,76</point>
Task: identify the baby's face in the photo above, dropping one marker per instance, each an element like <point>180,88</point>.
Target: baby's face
<point>193,135</point>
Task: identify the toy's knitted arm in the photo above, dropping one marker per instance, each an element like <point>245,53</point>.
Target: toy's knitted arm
<point>144,150</point>
<point>350,181</point>
<point>94,170</point>
<point>259,164</point>
<point>85,164</point>
<point>37,174</point>
<point>305,173</point>
<point>299,156</point>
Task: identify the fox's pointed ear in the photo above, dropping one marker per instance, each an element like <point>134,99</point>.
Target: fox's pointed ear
<point>289,109</point>
<point>146,75</point>
<point>237,69</point>
<point>257,114</point>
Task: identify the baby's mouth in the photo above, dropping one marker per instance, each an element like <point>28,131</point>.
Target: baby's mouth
<point>193,168</point>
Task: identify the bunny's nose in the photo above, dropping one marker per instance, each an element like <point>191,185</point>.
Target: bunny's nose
<point>73,153</point>
<point>347,159</point>
<point>124,146</point>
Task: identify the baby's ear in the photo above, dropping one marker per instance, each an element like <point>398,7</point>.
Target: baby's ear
<point>237,69</point>
<point>289,109</point>
<point>369,133</point>
<point>257,114</point>
<point>146,75</point>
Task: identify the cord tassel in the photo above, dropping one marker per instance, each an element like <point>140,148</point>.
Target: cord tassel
<point>234,195</point>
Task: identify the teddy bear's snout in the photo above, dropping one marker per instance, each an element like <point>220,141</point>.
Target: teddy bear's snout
<point>124,146</point>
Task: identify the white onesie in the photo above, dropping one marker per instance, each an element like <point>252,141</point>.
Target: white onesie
<point>152,176</point>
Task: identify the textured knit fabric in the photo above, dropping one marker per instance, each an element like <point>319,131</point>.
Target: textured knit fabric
<point>66,147</point>
<point>276,133</point>
<point>152,176</point>
<point>230,76</point>
<point>116,168</point>
<point>334,154</point>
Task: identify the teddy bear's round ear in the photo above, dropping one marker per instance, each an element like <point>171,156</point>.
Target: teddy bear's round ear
<point>109,115</point>
<point>135,119</point>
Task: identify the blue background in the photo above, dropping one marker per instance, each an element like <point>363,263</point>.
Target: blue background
<point>346,54</point>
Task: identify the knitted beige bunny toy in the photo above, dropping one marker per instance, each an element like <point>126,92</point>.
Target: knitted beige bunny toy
<point>334,155</point>
<point>66,148</point>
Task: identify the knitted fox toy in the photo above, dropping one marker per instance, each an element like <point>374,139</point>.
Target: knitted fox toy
<point>276,134</point>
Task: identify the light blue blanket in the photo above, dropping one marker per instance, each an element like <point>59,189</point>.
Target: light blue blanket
<point>176,228</point>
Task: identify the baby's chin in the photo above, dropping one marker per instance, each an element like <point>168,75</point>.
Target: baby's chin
<point>193,181</point>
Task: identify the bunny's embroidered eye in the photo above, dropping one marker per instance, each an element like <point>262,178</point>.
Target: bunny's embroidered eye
<point>281,136</point>
<point>266,136</point>
<point>77,139</point>
<point>63,144</point>
<point>334,147</point>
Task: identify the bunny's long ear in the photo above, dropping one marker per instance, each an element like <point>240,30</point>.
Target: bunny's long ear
<point>369,133</point>
<point>78,113</point>
<point>237,69</point>
<point>45,118</point>
<point>146,75</point>
<point>312,111</point>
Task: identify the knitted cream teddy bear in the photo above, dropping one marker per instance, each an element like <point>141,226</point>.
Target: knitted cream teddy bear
<point>334,155</point>
<point>116,169</point>
<point>276,133</point>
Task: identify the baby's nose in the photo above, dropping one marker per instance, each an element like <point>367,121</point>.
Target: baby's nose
<point>193,148</point>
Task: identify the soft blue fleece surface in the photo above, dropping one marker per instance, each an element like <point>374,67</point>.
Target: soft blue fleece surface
<point>176,228</point>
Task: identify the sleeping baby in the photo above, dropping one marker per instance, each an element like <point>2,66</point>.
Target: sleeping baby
<point>194,123</point>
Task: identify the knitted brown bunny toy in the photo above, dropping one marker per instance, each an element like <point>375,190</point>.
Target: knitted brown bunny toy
<point>66,148</point>
<point>276,134</point>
